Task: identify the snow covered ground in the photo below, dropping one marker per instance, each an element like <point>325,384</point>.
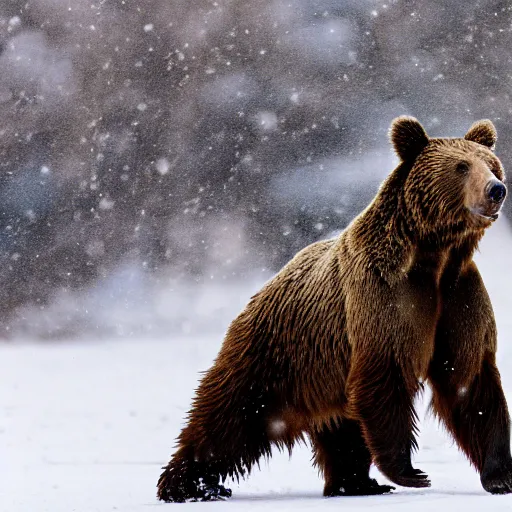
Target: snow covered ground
<point>86,426</point>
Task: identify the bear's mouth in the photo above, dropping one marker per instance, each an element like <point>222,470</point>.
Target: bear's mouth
<point>492,217</point>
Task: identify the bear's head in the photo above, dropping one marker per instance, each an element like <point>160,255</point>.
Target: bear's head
<point>450,183</point>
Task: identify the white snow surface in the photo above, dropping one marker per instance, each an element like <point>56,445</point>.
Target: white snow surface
<point>87,426</point>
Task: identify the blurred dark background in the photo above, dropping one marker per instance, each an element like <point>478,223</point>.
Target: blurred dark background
<point>149,148</point>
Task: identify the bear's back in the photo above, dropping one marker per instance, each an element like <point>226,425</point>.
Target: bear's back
<point>297,321</point>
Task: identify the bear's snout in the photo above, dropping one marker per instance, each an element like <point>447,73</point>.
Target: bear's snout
<point>485,193</point>
<point>496,191</point>
<point>494,194</point>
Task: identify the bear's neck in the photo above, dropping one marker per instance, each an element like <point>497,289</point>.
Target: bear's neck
<point>394,247</point>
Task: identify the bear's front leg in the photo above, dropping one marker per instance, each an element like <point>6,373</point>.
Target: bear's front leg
<point>477,417</point>
<point>380,396</point>
<point>467,392</point>
<point>344,460</point>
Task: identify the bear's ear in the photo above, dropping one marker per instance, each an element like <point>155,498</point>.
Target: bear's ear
<point>483,132</point>
<point>408,137</point>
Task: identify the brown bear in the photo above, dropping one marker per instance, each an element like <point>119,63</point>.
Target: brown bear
<point>339,342</point>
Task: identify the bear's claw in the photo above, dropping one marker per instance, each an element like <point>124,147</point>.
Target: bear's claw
<point>402,473</point>
<point>411,478</point>
<point>366,488</point>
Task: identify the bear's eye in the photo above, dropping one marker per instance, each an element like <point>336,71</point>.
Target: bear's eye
<point>462,167</point>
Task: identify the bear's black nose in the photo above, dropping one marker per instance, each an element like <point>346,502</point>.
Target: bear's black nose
<point>496,191</point>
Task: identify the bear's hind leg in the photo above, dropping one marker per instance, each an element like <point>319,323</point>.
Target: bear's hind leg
<point>344,459</point>
<point>225,436</point>
<point>188,478</point>
<point>205,458</point>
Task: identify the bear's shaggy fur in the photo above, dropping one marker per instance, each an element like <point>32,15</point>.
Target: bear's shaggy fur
<point>338,343</point>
